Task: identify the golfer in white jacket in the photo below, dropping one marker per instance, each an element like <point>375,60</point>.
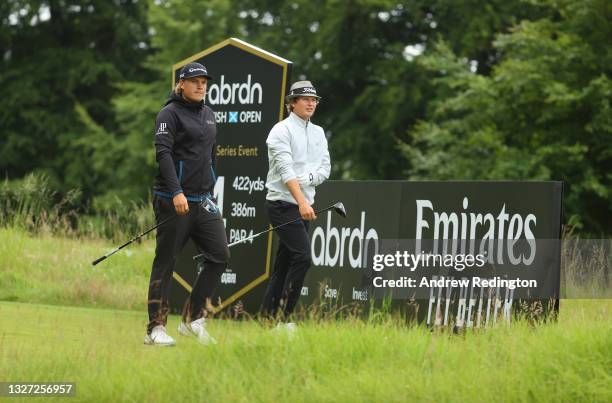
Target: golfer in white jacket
<point>299,161</point>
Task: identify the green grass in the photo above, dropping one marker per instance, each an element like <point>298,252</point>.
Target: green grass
<point>102,351</point>
<point>55,270</point>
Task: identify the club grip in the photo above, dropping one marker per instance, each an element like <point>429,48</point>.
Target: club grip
<point>98,260</point>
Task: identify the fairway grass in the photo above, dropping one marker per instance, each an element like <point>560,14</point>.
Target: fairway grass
<point>102,351</point>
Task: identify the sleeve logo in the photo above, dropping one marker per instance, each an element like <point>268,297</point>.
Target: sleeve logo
<point>162,128</point>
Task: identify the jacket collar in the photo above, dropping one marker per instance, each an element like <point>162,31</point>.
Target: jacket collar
<point>178,98</point>
<point>298,120</point>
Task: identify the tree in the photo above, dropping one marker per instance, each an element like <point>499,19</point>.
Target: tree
<point>544,113</point>
<point>61,60</point>
<point>361,56</point>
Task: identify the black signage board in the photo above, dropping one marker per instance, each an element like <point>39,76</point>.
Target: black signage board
<point>515,225</point>
<point>247,95</point>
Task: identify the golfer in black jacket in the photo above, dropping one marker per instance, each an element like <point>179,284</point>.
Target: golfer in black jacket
<point>185,137</point>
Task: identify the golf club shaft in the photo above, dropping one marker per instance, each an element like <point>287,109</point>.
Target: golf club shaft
<point>98,260</point>
<point>196,257</point>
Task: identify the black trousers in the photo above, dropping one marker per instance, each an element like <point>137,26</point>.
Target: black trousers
<point>208,233</point>
<point>293,259</point>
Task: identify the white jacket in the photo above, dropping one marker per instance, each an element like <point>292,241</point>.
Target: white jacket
<point>297,149</point>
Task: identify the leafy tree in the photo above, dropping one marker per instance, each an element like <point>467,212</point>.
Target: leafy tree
<point>544,113</point>
<point>361,56</point>
<point>61,60</point>
<point>470,26</point>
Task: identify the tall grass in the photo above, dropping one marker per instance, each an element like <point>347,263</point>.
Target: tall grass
<point>117,220</point>
<point>586,268</point>
<point>33,205</point>
<point>57,270</point>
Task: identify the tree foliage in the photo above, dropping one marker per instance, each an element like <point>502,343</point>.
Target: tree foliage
<point>61,63</point>
<point>544,112</point>
<point>430,89</point>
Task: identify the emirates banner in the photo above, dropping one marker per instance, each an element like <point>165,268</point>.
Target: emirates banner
<point>466,253</point>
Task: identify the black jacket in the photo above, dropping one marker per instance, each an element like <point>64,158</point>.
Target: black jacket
<point>185,137</point>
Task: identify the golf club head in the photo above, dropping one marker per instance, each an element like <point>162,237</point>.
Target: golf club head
<point>339,208</point>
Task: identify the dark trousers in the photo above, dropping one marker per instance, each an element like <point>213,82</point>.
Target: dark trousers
<point>292,259</point>
<point>208,233</point>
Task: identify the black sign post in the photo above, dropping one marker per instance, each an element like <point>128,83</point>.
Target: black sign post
<point>247,95</point>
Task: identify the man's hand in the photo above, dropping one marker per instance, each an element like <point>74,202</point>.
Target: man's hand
<point>180,204</point>
<point>307,212</point>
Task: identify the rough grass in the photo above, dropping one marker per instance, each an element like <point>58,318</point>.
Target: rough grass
<point>54,270</point>
<point>351,360</point>
<point>102,351</point>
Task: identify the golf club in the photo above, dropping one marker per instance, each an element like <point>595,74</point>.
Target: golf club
<point>337,207</point>
<point>208,204</point>
<point>112,252</point>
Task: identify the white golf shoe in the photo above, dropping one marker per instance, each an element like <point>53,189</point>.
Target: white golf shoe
<point>159,337</point>
<point>197,329</point>
<point>288,328</point>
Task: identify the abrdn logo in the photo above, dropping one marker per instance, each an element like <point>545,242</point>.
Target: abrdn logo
<point>243,93</point>
<point>331,246</point>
